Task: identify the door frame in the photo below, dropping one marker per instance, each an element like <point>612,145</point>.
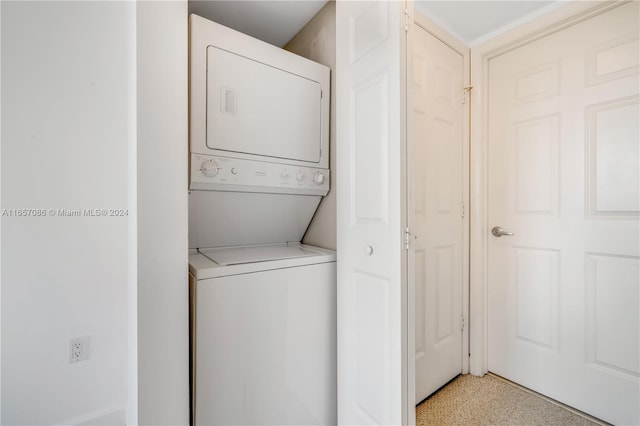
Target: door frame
<point>459,47</point>
<point>555,20</point>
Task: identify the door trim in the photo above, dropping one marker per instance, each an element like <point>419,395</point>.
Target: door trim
<point>459,47</point>
<point>407,279</point>
<point>557,20</point>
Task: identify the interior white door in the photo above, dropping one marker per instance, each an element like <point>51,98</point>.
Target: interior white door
<point>372,353</point>
<point>437,220</point>
<point>563,177</point>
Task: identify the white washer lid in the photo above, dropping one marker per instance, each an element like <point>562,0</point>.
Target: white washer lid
<point>241,255</point>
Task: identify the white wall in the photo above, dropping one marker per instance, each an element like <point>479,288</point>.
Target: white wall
<point>68,110</point>
<point>163,310</point>
<point>317,41</point>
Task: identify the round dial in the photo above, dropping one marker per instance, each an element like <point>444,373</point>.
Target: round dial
<point>300,176</point>
<point>209,168</point>
<point>318,178</point>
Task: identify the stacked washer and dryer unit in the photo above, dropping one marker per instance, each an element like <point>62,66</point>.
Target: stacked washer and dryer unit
<point>263,305</point>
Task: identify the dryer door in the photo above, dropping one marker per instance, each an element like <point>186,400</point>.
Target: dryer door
<point>255,108</point>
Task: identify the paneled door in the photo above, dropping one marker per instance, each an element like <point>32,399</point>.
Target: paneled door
<point>373,385</point>
<point>563,178</point>
<point>437,228</point>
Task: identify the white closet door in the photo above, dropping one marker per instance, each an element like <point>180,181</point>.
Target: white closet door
<point>437,161</point>
<point>372,354</point>
<point>563,160</point>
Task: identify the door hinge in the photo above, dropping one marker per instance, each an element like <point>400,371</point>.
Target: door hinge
<point>407,238</point>
<point>465,94</point>
<point>462,321</point>
<point>407,20</point>
<point>464,210</point>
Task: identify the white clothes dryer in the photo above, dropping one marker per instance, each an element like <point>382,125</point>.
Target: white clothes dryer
<point>263,306</point>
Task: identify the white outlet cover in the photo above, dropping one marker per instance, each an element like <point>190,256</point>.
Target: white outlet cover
<point>79,349</point>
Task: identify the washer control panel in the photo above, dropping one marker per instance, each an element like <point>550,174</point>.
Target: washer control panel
<point>233,174</point>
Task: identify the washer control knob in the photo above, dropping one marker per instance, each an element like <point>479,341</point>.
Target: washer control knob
<point>234,171</point>
<point>318,178</point>
<point>299,176</point>
<point>209,168</point>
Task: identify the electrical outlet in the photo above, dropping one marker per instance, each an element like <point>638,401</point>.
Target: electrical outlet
<point>78,349</point>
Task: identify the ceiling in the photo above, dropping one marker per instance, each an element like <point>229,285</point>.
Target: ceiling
<point>273,21</point>
<point>474,21</point>
<point>277,21</point>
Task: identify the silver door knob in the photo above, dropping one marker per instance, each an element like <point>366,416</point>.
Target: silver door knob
<point>499,232</point>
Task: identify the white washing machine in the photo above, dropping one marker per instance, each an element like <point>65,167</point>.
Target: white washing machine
<point>264,335</point>
<point>263,306</point>
<point>263,312</point>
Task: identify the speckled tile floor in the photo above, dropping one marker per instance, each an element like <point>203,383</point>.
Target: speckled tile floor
<point>490,400</point>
